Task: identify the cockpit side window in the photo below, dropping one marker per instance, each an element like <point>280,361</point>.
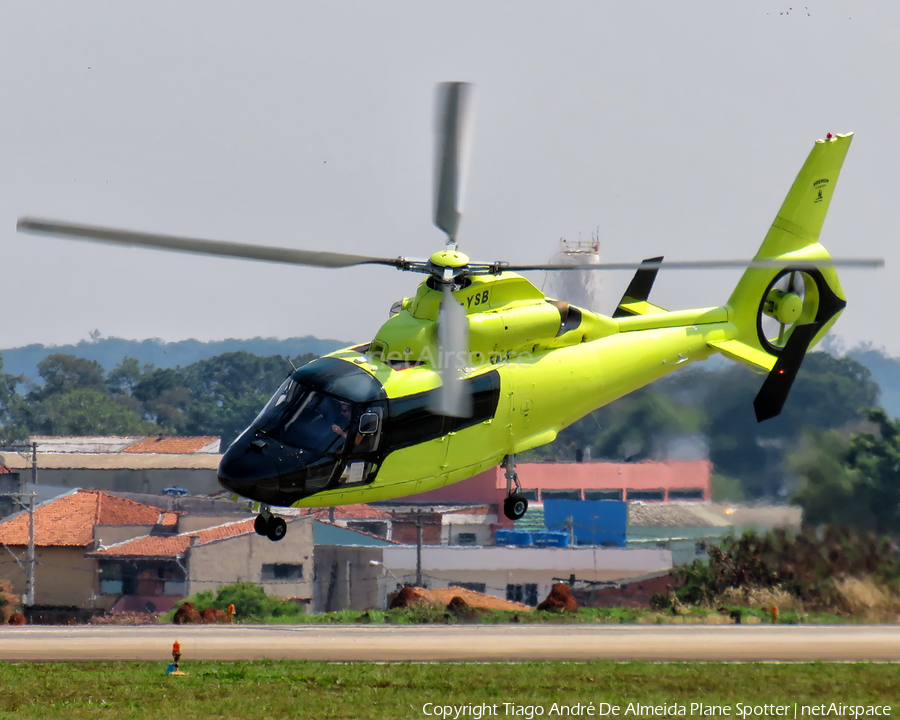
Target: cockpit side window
<point>411,420</point>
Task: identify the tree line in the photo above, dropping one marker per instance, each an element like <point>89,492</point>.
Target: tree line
<point>218,396</point>
<point>832,449</point>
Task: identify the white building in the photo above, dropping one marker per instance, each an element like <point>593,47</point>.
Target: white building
<point>513,573</point>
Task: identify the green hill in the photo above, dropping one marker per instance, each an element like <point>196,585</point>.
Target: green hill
<point>109,352</point>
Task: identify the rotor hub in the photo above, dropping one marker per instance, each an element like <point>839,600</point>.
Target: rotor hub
<point>785,307</point>
<point>449,259</point>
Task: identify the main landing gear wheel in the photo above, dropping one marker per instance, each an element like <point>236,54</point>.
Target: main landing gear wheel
<point>277,529</point>
<point>515,506</point>
<point>267,525</point>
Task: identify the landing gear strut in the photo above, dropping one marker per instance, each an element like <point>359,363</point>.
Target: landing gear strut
<point>516,504</point>
<point>267,525</point>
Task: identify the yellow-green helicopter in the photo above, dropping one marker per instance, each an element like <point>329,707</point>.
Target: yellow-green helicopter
<point>480,365</point>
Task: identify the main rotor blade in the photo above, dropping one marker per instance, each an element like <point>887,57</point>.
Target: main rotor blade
<point>451,155</point>
<point>452,398</point>
<point>703,264</point>
<point>312,258</point>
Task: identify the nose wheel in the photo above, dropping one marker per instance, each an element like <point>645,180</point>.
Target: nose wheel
<point>267,525</point>
<point>516,504</point>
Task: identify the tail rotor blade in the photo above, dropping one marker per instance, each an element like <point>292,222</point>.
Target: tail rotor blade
<point>452,146</point>
<point>452,398</point>
<point>774,391</point>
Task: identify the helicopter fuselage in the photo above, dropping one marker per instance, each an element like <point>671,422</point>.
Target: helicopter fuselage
<point>356,425</point>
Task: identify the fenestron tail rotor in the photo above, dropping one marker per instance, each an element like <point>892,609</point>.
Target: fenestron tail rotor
<point>786,303</point>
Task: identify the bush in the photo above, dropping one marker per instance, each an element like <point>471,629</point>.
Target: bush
<point>808,566</point>
<point>250,602</point>
<point>8,601</point>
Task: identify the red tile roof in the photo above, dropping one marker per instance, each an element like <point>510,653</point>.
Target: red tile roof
<point>172,546</point>
<point>170,445</point>
<point>348,512</point>
<point>69,520</point>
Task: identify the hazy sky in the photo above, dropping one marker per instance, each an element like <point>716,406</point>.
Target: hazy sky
<point>674,127</point>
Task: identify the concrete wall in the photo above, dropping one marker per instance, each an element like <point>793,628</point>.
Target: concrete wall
<point>105,535</point>
<point>191,522</point>
<point>62,576</point>
<point>498,567</point>
<point>482,526</point>
<point>240,559</point>
<point>632,594</point>
<point>345,579</point>
<point>197,481</point>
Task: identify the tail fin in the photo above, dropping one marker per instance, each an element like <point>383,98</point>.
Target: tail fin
<point>780,312</point>
<point>787,297</point>
<point>634,301</point>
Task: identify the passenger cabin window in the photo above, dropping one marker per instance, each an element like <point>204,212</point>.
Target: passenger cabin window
<point>411,421</point>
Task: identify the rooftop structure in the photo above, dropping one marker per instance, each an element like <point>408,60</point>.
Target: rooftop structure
<point>648,481</point>
<point>69,521</point>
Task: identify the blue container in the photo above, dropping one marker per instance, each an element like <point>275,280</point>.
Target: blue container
<point>550,538</point>
<point>519,537</point>
<point>501,537</point>
<point>594,522</point>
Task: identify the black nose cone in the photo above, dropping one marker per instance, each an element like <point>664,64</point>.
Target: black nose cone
<point>248,468</point>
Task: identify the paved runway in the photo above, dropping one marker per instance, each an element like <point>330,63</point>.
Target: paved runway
<point>453,643</point>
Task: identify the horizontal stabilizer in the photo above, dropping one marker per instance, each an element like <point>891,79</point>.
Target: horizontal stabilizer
<point>737,350</point>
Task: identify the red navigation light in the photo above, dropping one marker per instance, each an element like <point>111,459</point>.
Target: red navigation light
<point>829,136</point>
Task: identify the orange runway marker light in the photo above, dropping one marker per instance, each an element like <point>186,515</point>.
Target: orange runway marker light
<point>176,656</point>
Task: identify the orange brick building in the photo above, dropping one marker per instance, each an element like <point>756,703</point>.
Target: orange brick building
<point>648,481</point>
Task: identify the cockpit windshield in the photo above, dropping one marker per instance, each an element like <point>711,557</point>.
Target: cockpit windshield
<point>318,407</point>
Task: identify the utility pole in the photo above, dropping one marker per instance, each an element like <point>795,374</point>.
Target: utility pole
<point>418,548</point>
<point>21,495</point>
<point>29,587</point>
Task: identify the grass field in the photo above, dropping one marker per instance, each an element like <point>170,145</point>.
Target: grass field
<point>271,689</point>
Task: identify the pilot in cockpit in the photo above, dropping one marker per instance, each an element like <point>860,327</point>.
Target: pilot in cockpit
<point>342,425</point>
